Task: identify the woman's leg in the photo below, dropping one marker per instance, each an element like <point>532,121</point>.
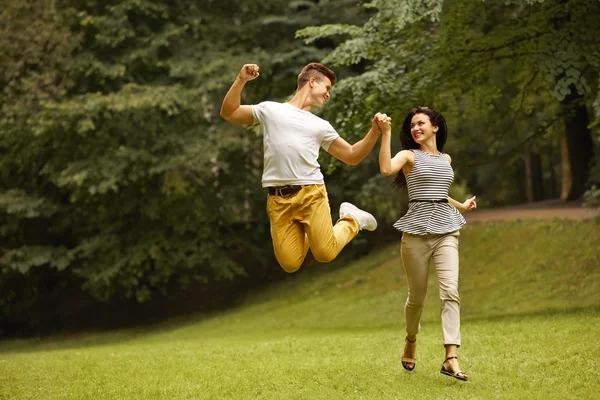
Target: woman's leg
<point>415,256</point>
<point>446,261</point>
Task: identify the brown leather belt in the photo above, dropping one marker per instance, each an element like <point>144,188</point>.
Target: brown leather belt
<point>284,191</point>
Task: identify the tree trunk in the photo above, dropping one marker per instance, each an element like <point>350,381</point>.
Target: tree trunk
<point>565,168</point>
<point>533,174</point>
<point>576,145</point>
<point>554,189</point>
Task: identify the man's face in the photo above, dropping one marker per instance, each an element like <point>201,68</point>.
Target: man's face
<point>320,90</point>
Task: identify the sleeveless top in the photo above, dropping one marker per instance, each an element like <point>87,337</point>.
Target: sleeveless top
<point>430,179</point>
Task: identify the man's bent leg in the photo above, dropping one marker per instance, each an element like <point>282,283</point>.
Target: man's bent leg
<point>326,240</point>
<point>289,238</point>
<point>365,220</point>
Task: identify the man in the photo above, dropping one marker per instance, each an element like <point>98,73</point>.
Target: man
<point>297,204</point>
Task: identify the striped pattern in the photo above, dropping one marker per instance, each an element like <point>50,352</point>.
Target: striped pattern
<point>430,179</point>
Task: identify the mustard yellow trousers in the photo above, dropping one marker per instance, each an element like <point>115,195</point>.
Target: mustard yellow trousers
<point>302,221</point>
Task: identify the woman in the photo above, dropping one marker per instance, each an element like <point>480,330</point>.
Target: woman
<point>430,227</point>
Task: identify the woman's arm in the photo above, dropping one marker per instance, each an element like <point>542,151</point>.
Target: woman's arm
<point>354,154</point>
<point>468,205</point>
<point>387,165</point>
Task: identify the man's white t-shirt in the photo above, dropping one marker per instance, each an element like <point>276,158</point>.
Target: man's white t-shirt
<point>292,139</point>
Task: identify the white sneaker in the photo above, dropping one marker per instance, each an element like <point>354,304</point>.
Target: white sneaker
<point>366,220</point>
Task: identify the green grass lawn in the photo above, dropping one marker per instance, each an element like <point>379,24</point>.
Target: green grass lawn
<point>530,296</point>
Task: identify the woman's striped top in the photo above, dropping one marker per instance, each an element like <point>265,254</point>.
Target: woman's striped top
<point>429,179</point>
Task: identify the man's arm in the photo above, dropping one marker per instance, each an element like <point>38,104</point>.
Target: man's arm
<point>231,110</point>
<point>354,154</point>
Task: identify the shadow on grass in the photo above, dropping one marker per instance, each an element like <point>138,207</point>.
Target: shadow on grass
<point>67,341</point>
<point>144,327</point>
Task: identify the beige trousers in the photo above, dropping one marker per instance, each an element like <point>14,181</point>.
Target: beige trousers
<point>417,251</point>
<point>303,220</point>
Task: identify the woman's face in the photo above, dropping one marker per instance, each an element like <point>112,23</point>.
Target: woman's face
<point>421,129</point>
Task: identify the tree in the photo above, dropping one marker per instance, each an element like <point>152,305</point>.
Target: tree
<point>504,74</point>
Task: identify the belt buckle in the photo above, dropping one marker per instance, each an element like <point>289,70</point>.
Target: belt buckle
<point>288,190</point>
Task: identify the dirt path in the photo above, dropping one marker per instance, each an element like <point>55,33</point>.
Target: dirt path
<point>540,210</point>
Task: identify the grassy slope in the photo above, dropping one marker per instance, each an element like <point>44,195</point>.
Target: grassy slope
<point>530,322</point>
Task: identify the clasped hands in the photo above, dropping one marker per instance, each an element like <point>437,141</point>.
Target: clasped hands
<point>381,123</point>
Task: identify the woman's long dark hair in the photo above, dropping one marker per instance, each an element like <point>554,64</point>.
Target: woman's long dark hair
<point>408,142</point>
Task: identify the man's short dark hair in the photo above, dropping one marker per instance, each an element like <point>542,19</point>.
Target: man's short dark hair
<point>315,70</point>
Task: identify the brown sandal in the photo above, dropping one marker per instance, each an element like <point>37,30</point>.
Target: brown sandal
<point>407,360</point>
<point>457,374</point>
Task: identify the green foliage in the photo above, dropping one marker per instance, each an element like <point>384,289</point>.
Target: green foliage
<point>500,72</point>
<point>119,178</point>
<point>35,50</point>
